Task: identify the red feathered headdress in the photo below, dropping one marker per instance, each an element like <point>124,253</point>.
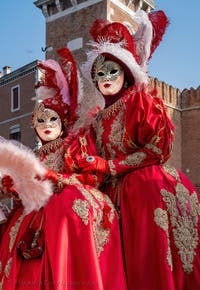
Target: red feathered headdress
<point>58,88</point>
<point>114,41</point>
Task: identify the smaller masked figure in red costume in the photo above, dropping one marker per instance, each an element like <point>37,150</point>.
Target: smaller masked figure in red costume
<point>159,207</point>
<point>64,232</point>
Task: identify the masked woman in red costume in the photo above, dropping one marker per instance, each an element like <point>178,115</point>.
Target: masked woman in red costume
<point>69,239</point>
<point>159,206</point>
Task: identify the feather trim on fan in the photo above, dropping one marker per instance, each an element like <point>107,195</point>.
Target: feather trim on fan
<point>22,165</point>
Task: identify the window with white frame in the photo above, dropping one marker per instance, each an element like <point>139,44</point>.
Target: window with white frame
<point>15,98</point>
<point>15,132</point>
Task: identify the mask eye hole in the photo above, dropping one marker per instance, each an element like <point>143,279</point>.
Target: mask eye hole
<point>40,120</point>
<point>53,118</point>
<point>113,71</point>
<point>100,74</point>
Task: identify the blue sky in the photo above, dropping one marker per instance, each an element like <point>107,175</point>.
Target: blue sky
<point>176,61</point>
<point>22,33</point>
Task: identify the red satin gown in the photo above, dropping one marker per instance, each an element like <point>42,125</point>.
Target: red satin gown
<point>80,232</point>
<point>159,206</point>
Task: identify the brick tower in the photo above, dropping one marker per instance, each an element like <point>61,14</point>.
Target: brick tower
<point>68,21</point>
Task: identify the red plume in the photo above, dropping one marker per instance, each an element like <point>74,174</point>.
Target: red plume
<point>114,32</point>
<point>70,70</point>
<point>96,29</point>
<point>159,22</point>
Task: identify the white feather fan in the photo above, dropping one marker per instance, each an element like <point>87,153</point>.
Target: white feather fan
<point>22,165</point>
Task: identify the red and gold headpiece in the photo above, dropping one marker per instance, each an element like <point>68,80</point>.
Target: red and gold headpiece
<point>59,88</point>
<point>115,42</point>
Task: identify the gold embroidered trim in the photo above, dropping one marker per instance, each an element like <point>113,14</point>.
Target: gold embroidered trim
<point>184,211</point>
<point>133,159</point>
<point>14,231</point>
<point>84,146</point>
<point>81,209</point>
<point>70,180</point>
<point>50,146</point>
<point>161,219</point>
<point>129,140</point>
<point>111,110</point>
<point>154,148</point>
<point>112,167</point>
<point>7,267</point>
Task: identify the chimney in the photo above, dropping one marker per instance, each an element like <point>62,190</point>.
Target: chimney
<point>6,70</point>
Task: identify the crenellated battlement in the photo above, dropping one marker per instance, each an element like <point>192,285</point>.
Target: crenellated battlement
<point>170,95</point>
<point>188,99</point>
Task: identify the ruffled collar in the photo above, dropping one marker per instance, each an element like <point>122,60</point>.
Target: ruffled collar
<point>51,146</point>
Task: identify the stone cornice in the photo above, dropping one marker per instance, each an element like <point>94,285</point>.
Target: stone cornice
<point>21,72</point>
<point>50,16</point>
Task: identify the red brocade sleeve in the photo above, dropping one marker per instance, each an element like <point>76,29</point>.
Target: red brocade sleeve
<point>77,148</point>
<point>148,134</point>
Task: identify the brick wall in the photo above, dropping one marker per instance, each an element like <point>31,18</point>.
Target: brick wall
<point>20,117</point>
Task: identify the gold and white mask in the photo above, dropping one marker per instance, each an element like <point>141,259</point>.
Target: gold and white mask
<point>47,124</point>
<point>41,115</point>
<point>107,71</point>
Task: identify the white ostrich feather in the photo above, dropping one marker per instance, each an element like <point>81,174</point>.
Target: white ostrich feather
<point>43,93</point>
<point>143,37</point>
<point>22,165</point>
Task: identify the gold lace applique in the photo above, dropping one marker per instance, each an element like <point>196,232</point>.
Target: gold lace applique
<point>14,231</point>
<point>133,159</point>
<point>161,219</point>
<point>172,171</point>
<point>184,211</point>
<point>101,236</point>
<point>95,199</point>
<point>81,209</point>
